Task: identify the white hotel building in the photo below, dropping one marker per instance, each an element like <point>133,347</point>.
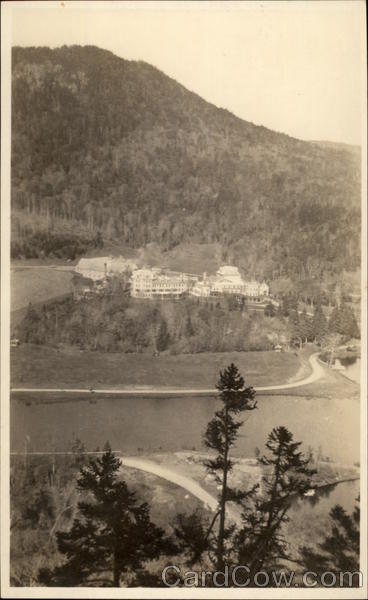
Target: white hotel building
<point>229,281</point>
<point>162,283</point>
<point>154,283</point>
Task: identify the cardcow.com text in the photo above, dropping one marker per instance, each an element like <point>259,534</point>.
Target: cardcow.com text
<point>240,576</point>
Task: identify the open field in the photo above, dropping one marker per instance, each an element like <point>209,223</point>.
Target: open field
<point>316,373</point>
<point>41,366</point>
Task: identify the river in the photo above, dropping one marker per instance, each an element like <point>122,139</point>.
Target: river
<point>147,425</point>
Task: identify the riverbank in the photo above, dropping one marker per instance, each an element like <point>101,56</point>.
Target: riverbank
<point>180,479</point>
<point>181,467</point>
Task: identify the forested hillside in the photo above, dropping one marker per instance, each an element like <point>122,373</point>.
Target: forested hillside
<point>101,144</point>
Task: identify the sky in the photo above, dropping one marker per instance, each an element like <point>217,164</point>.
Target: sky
<point>296,67</point>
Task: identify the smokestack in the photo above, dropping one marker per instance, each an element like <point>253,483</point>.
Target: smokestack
<point>204,275</point>
<point>105,270</point>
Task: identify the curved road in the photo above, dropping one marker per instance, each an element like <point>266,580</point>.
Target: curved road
<point>188,484</point>
<point>317,373</point>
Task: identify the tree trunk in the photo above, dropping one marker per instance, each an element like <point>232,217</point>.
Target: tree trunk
<point>220,541</point>
<point>262,553</point>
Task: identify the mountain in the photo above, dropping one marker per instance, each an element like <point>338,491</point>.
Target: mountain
<point>105,147</point>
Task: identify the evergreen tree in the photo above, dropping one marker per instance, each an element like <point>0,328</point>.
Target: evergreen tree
<point>319,325</point>
<point>163,337</point>
<point>221,435</point>
<point>188,331</point>
<point>343,321</point>
<point>98,241</point>
<point>334,324</point>
<point>30,329</point>
<point>340,549</point>
<point>305,327</point>
<point>111,535</point>
<point>261,542</point>
<point>193,535</point>
<point>348,322</point>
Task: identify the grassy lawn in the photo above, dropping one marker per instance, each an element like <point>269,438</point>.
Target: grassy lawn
<point>41,366</point>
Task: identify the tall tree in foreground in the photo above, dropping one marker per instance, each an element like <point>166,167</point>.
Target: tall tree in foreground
<point>261,543</point>
<point>221,435</point>
<point>112,533</point>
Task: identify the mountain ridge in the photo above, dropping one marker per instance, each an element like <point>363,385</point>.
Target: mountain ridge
<point>104,144</point>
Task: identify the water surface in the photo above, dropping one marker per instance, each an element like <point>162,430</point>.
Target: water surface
<point>330,426</point>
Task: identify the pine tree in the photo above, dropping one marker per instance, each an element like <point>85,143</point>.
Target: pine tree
<point>334,324</point>
<point>295,326</point>
<point>221,434</point>
<point>98,241</point>
<point>188,331</point>
<point>193,536</point>
<point>319,325</point>
<point>112,533</point>
<point>261,543</point>
<point>340,550</point>
<point>348,322</point>
<point>305,327</point>
<point>343,321</point>
<point>30,325</point>
<point>163,337</point>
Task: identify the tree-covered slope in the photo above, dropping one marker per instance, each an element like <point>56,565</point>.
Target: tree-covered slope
<point>104,144</point>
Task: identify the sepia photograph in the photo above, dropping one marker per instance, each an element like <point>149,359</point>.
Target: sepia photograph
<point>184,299</point>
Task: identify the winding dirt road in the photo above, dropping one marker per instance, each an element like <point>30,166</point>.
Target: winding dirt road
<point>186,483</point>
<point>316,374</point>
